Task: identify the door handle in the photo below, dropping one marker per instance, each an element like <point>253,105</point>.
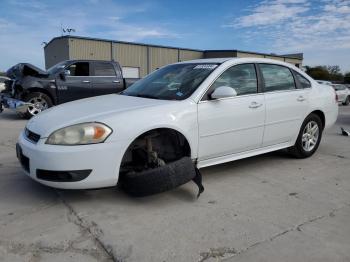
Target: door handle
<point>301,98</point>
<point>85,81</point>
<point>116,81</point>
<point>255,105</point>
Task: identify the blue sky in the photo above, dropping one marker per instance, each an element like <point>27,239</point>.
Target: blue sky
<point>320,29</point>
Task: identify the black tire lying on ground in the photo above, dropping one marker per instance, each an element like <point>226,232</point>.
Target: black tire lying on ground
<point>161,179</point>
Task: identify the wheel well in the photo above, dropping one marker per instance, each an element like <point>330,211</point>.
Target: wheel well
<point>169,145</point>
<point>320,114</point>
<point>40,90</point>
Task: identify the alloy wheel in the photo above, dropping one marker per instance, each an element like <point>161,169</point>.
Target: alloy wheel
<point>38,104</point>
<point>310,136</point>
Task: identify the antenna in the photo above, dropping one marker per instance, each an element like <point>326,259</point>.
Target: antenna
<point>66,30</point>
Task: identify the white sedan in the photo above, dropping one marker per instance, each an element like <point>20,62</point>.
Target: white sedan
<point>343,94</point>
<point>211,111</point>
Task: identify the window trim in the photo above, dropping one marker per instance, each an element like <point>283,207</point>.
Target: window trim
<point>276,91</point>
<point>205,96</point>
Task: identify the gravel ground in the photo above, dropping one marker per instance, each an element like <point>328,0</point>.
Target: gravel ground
<point>266,208</point>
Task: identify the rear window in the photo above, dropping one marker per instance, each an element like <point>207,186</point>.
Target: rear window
<point>103,69</point>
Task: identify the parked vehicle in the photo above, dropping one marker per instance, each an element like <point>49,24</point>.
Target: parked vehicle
<point>343,94</point>
<point>33,90</point>
<point>3,79</point>
<point>210,111</point>
<point>323,82</point>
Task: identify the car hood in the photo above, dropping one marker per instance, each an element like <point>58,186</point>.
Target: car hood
<point>25,69</point>
<point>93,109</point>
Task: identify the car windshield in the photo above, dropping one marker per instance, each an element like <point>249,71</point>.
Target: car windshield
<point>173,82</point>
<point>56,68</point>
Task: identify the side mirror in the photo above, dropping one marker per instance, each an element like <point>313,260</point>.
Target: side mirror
<point>64,74</point>
<point>223,92</point>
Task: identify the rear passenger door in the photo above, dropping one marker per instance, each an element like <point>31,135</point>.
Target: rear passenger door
<point>286,103</point>
<point>106,80</point>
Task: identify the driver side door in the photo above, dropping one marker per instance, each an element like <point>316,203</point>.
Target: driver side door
<point>77,83</point>
<point>234,124</point>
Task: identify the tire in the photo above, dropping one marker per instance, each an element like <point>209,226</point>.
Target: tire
<point>41,101</point>
<point>299,150</point>
<point>157,180</point>
<point>347,101</point>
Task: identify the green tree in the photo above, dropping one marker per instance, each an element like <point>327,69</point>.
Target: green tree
<point>329,73</point>
<point>347,78</point>
<point>318,72</point>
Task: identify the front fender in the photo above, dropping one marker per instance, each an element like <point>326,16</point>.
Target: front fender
<point>181,117</point>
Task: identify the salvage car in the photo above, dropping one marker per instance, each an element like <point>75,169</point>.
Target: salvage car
<point>3,79</point>
<point>181,117</point>
<point>343,94</point>
<point>33,90</point>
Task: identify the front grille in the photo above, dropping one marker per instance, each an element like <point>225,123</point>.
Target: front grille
<point>33,137</point>
<point>22,159</point>
<point>63,176</point>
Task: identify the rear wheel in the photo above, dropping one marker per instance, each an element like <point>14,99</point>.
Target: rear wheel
<point>347,101</point>
<point>309,137</point>
<point>39,102</point>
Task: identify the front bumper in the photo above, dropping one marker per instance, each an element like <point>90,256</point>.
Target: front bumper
<point>14,104</point>
<point>102,159</point>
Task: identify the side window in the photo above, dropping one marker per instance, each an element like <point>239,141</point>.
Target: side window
<point>277,77</point>
<point>302,80</point>
<point>103,69</point>
<point>79,69</point>
<point>240,77</point>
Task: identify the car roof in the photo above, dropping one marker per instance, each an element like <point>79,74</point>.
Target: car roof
<point>239,60</point>
<point>209,60</point>
<point>87,60</point>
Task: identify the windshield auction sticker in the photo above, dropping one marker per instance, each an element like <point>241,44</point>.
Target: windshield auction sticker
<point>205,66</point>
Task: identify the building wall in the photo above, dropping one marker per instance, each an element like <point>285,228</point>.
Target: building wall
<point>295,62</point>
<point>185,55</point>
<point>160,56</point>
<point>129,55</point>
<point>245,55</point>
<point>57,51</point>
<point>275,58</point>
<point>89,49</point>
<point>219,54</point>
<point>135,56</point>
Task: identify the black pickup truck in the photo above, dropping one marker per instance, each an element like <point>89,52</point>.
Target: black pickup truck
<point>31,90</point>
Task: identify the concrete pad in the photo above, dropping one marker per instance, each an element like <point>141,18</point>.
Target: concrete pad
<point>266,208</point>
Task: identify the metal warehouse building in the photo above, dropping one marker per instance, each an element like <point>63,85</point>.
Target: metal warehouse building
<point>138,59</point>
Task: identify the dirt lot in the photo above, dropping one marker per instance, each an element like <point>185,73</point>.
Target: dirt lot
<point>266,208</point>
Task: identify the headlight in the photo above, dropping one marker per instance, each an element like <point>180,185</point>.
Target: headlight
<point>80,134</point>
